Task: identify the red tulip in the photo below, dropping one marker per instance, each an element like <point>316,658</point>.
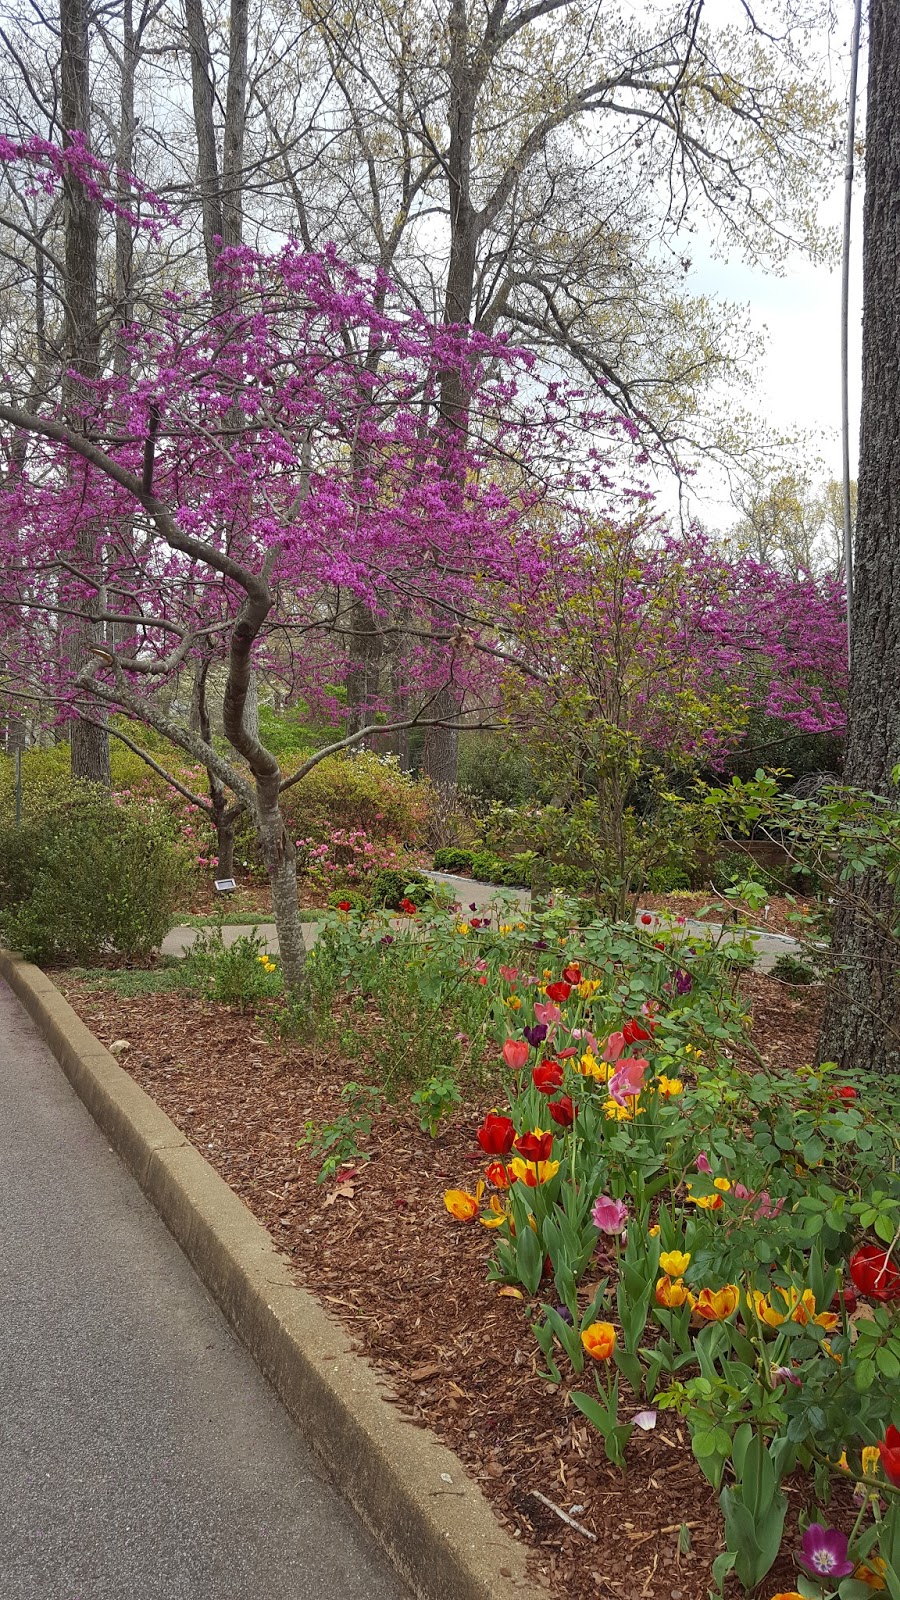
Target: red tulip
<point>572,973</point>
<point>646,919</point>
<point>889,1450</point>
<point>496,1135</point>
<point>562,1111</point>
<point>344,905</point>
<point>634,1030</point>
<point>535,1146</point>
<point>845,1092</point>
<point>547,1077</point>
<point>875,1274</point>
<point>558,992</point>
<point>499,1175</point>
<point>409,907</point>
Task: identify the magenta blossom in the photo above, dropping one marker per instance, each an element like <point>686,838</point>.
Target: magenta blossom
<point>768,1207</point>
<point>609,1215</point>
<point>702,1162</point>
<point>741,1192</point>
<point>825,1552</point>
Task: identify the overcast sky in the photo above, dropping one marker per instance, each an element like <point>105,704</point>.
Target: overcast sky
<point>800,313</point>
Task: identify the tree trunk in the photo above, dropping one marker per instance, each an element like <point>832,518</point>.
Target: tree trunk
<point>862,1021</point>
<point>281,864</point>
<point>364,672</point>
<point>89,745</point>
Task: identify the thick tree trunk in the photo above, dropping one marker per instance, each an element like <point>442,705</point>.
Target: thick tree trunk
<point>281,864</point>
<point>862,1022</point>
<point>89,745</point>
<point>364,671</point>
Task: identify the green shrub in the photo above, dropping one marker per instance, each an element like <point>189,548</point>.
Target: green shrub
<point>668,879</point>
<point>240,974</point>
<point>359,791</point>
<point>91,879</point>
<point>453,860</point>
<point>791,970</point>
<point>487,867</point>
<point>352,897</point>
<point>391,886</point>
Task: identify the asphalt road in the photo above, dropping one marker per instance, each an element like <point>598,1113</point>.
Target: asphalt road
<point>142,1456</point>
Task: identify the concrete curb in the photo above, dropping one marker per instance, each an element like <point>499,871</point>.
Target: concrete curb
<point>412,1493</point>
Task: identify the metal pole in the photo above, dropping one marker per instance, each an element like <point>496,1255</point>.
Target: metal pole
<point>18,786</point>
<point>845,316</point>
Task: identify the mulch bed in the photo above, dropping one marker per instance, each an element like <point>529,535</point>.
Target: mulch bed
<point>775,917</point>
<point>381,1252</point>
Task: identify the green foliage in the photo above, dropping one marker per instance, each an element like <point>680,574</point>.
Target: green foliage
<point>241,974</point>
<point>391,885</point>
<point>438,1098</point>
<point>88,879</point>
<point>453,860</point>
<point>358,791</point>
<point>171,976</point>
<point>356,900</point>
<point>789,969</point>
<point>493,770</point>
<point>337,1143</point>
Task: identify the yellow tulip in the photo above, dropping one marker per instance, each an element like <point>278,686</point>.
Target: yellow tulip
<point>513,1002</point>
<point>669,1087</point>
<point>590,1067</point>
<point>715,1305</point>
<point>463,927</point>
<point>498,1214</point>
<point>462,1205</point>
<point>532,1173</point>
<point>722,1183</point>
<point>802,1309</point>
<point>612,1109</point>
<point>588,988</point>
<point>872,1571</point>
<point>599,1340</point>
<point>654,1230</point>
<point>672,1295</point>
<point>675,1262</point>
<point>764,1309</point>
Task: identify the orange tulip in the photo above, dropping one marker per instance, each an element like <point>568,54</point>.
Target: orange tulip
<point>462,1205</point>
<point>599,1340</point>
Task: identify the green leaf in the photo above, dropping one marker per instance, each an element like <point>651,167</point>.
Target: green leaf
<point>529,1258</point>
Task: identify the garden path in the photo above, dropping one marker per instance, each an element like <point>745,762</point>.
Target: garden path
<point>767,946</point>
<point>143,1453</point>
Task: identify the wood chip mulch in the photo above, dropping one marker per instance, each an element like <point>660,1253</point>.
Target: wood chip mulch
<point>379,1249</point>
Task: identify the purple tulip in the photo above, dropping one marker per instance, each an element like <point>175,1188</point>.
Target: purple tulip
<point>825,1552</point>
<point>536,1035</point>
<point>609,1215</point>
<point>683,981</point>
<point>565,1314</point>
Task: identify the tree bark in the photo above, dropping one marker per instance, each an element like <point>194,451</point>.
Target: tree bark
<point>89,743</point>
<point>862,1022</point>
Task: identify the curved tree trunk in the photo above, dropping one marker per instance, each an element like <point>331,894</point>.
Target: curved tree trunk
<point>862,1022</point>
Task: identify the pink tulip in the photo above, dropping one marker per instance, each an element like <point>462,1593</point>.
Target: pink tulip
<point>613,1047</point>
<point>548,1013</point>
<point>515,1054</point>
<point>628,1079</point>
<point>609,1215</point>
<point>702,1163</point>
<point>509,974</point>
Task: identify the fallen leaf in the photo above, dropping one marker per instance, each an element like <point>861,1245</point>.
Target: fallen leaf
<point>432,1369</point>
<point>344,1191</point>
<point>511,1293</point>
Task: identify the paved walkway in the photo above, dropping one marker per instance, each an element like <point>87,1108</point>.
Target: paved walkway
<point>143,1456</point>
<point>767,946</point>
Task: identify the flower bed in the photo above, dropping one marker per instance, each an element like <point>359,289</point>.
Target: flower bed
<point>469,1321</point>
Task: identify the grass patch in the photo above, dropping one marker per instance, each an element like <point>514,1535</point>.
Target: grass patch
<point>244,919</point>
<point>170,975</point>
